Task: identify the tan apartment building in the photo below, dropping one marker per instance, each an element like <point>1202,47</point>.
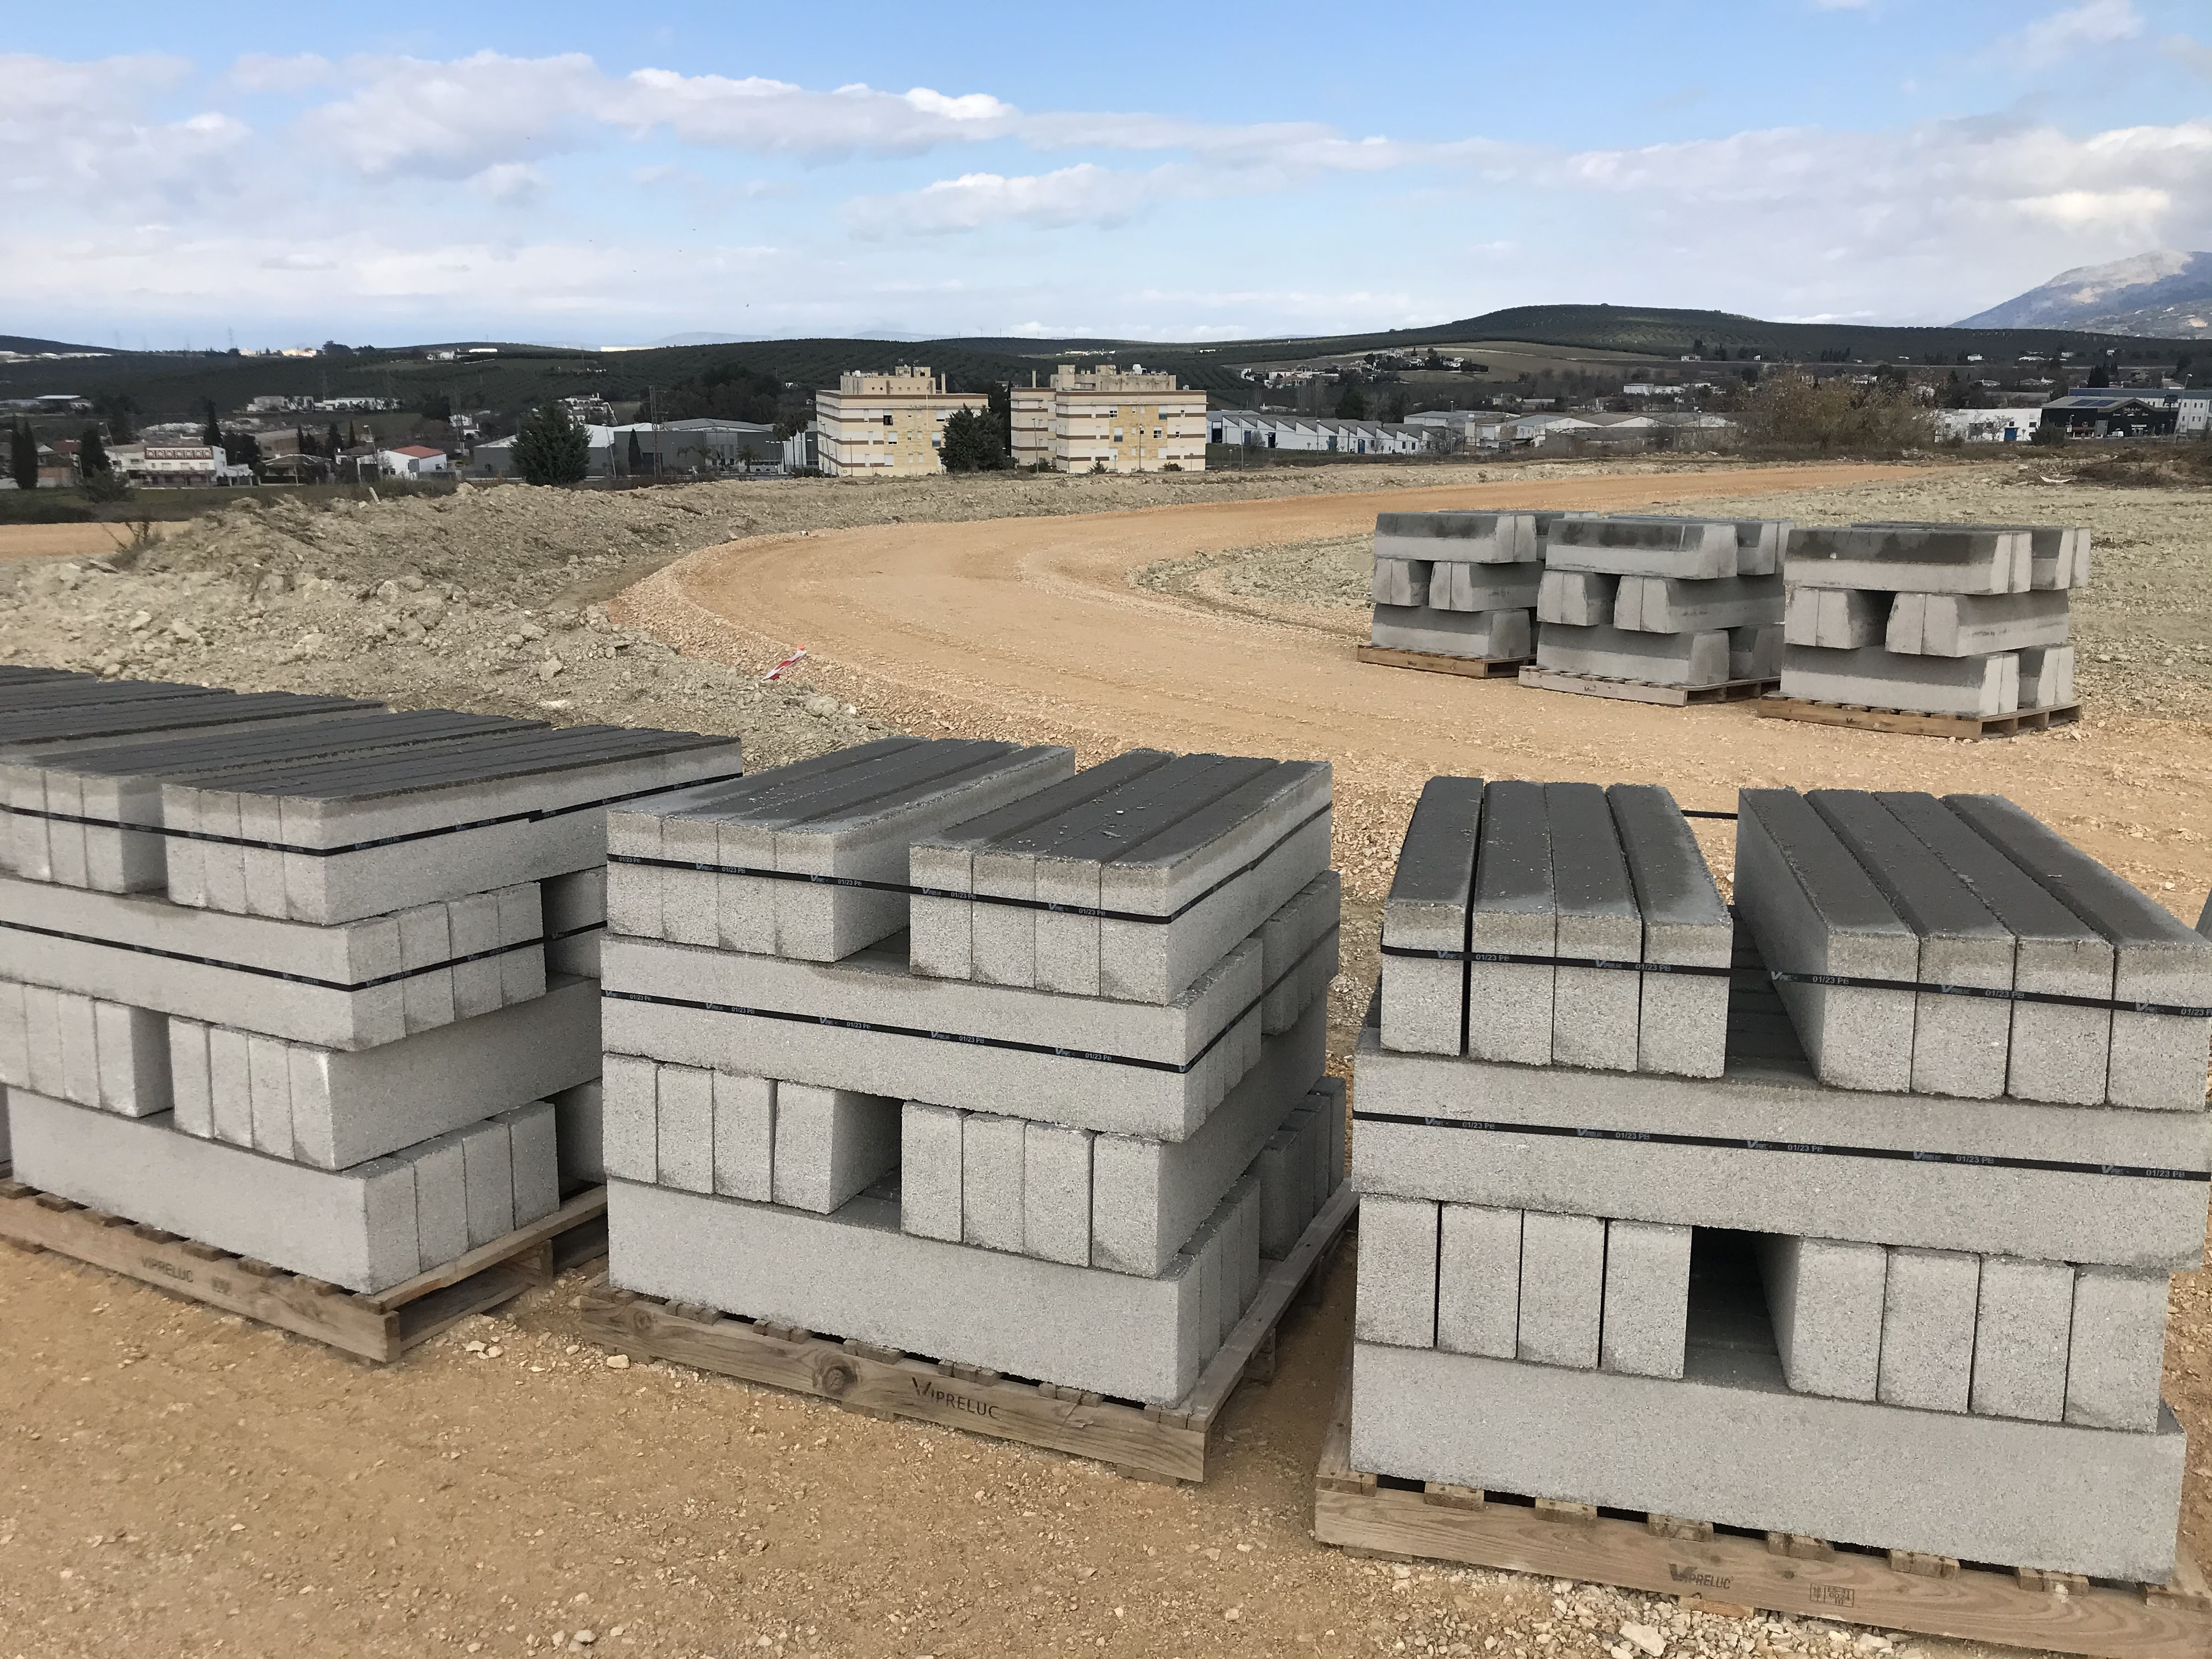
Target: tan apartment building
<point>1090,419</point>
<point>888,426</point>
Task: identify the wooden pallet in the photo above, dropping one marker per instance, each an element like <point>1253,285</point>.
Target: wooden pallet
<point>1149,1441</point>
<point>1479,668</point>
<point>1864,719</point>
<point>1732,1571</point>
<point>1667,696</point>
<point>381,1327</point>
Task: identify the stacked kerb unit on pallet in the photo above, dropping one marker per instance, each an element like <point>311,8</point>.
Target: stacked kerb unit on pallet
<point>1694,603</point>
<point>949,1048</point>
<point>1457,584</point>
<point>1965,620</point>
<point>1868,1243</point>
<point>305,980</point>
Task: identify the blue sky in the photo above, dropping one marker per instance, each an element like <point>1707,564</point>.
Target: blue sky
<point>279,175</point>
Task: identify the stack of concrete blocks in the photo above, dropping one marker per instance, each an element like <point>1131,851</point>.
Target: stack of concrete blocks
<point>1458,584</point>
<point>1969,620</point>
<point>305,979</point>
<point>948,1047</point>
<point>1663,601</point>
<point>1895,1277</point>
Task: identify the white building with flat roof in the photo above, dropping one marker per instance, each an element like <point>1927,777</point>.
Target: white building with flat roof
<point>1109,420</point>
<point>888,426</point>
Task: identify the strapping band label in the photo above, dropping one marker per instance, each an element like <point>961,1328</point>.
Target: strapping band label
<point>536,814</point>
<point>976,898</point>
<point>1828,1149</point>
<point>273,973</point>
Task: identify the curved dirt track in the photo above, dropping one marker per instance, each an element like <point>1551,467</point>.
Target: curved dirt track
<point>1030,628</point>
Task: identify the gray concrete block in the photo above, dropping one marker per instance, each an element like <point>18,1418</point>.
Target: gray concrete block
<point>2058,554</point>
<point>488,1166</point>
<point>2020,1334</point>
<point>1814,910</point>
<point>1493,634</point>
<point>1401,581</point>
<point>1990,1177</point>
<point>684,1127</point>
<point>1936,559</point>
<point>1835,618</point>
<point>1512,911</point>
<point>533,1133</point>
<point>1580,598</point>
<point>2058,1052</point>
<point>1593,1010</point>
<point>1759,541</point>
<point>1624,654</point>
<point>479,983</point>
<point>991,1171</point>
<point>189,1085</point>
<point>230,1084</point>
<point>1961,1045</point>
<point>15,1036</point>
<point>1968,687</point>
<point>1424,998</point>
<point>1974,624</point>
<point>1479,538</point>
<point>855,1275</point>
<point>1394,1300</point>
<point>1682,1018</point>
<point>1729,1443</point>
<point>1691,548</point>
<point>628,1103</point>
<point>354,1227</point>
<point>1056,1193</point>
<point>1298,951</point>
<point>1825,1302</point>
<point>1283,1212</point>
<point>1666,604</point>
<point>1562,1289</point>
<point>580,1130</point>
<point>2157,1060</point>
<point>1494,588</point>
<point>441,1201</point>
<point>1479,1280</point>
<point>1928,1305</point>
<point>270,1084</point>
<point>1755,652</point>
<point>1207,1039</point>
<point>348,1106</point>
<point>2046,677</point>
<point>1647,1298</point>
<point>744,1136</point>
<point>930,1171</point>
<point>2116,1350</point>
<point>830,1144</point>
<point>78,1035</point>
<point>1148,1195</point>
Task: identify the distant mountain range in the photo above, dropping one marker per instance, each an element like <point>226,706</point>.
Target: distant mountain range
<point>2164,295</point>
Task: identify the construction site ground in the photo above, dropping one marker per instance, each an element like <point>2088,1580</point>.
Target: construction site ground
<point>175,1481</point>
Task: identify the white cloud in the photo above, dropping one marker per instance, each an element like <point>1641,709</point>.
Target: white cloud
<point>261,72</point>
<point>2051,40</point>
<point>85,132</point>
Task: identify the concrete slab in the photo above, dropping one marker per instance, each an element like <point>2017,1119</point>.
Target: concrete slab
<point>1475,635</point>
<point>1837,619</point>
<point>684,1127</point>
<point>2058,554</point>
<point>1927,1308</point>
<point>1479,1280</point>
<point>1975,625</point>
<point>1644,547</point>
<point>930,1171</point>
<point>1484,588</point>
<point>1056,1193</point>
<point>1480,537</point>
<point>1580,598</point>
<point>992,1166</point>
<point>1698,659</point>
<point>1682,1018</point>
<point>1647,1298</point>
<point>1968,687</point>
<point>1729,1443</point>
<point>1593,1010</point>
<point>829,1144</point>
<point>1512,911</point>
<point>1401,581</point>
<point>2117,1349</point>
<point>2021,1336</point>
<point>1669,604</point>
<point>2046,677</point>
<point>1936,559</point>
<point>1562,1289</point>
<point>745,1136</point>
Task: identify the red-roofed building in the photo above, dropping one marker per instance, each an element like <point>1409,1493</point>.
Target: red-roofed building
<point>414,461</point>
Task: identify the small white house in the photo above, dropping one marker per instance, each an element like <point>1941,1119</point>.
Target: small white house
<point>2194,416</point>
<point>414,461</point>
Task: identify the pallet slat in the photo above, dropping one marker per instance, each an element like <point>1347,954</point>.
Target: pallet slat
<point>1781,1573</point>
<point>1431,662</point>
<point>1862,719</point>
<point>379,1328</point>
<point>1664,696</point>
<point>1149,1441</point>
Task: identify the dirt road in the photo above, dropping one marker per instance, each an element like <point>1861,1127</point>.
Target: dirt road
<point>1032,627</point>
<point>56,541</point>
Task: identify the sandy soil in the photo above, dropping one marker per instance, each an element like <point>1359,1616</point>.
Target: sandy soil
<point>62,541</point>
<point>174,1481</point>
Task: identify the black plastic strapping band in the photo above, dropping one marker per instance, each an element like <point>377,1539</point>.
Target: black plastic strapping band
<point>2055,998</point>
<point>1007,1043</point>
<point>536,814</point>
<point>1728,1143</point>
<point>1689,813</point>
<point>273,973</point>
<point>976,898</point>
<point>1519,959</point>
